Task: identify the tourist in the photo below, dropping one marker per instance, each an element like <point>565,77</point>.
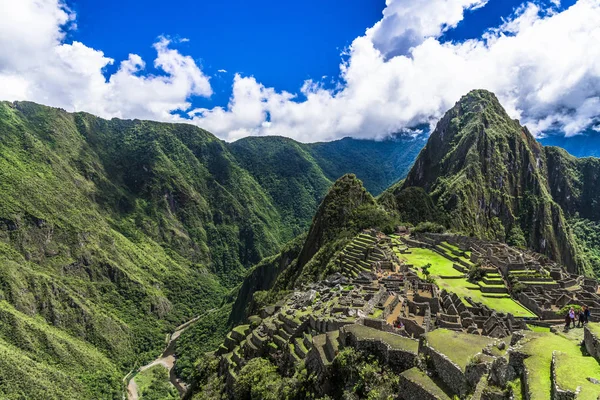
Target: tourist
<point>567,321</point>
<point>581,317</point>
<point>571,317</point>
<point>586,314</point>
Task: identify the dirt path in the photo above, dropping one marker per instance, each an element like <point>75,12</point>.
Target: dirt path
<point>167,359</point>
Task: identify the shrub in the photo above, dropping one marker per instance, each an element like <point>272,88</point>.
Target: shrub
<point>476,273</point>
<point>565,310</point>
<point>516,238</point>
<point>425,269</point>
<point>518,287</point>
<point>429,227</point>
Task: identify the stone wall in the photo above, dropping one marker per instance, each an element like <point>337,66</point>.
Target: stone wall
<point>592,343</point>
<point>557,392</point>
<point>398,360</point>
<point>410,390</point>
<point>450,373</point>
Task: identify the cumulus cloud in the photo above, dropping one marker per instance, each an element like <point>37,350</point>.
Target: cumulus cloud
<point>543,64</point>
<point>36,64</point>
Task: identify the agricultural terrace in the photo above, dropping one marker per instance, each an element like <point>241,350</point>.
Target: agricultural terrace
<point>447,277</point>
<point>572,369</point>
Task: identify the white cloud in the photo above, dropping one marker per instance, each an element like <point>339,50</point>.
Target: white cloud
<point>544,65</point>
<point>36,64</point>
<point>222,71</point>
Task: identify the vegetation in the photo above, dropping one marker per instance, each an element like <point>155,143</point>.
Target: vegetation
<point>153,384</point>
<point>439,265</point>
<point>588,235</point>
<point>540,347</point>
<point>503,304</point>
<point>457,346</point>
<point>477,159</point>
<point>476,273</point>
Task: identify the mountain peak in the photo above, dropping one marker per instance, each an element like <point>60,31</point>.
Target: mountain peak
<point>478,165</point>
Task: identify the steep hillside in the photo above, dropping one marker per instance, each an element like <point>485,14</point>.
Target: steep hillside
<point>111,233</point>
<point>378,164</point>
<point>346,210</point>
<point>489,175</point>
<point>289,174</point>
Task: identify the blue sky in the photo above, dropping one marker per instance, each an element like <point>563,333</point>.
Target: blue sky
<point>281,43</point>
<point>313,70</point>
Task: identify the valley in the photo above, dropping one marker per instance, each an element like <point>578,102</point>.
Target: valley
<point>278,269</point>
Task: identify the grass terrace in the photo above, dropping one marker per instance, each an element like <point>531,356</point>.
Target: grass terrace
<point>457,346</point>
<point>440,265</point>
<point>536,328</point>
<point>594,328</point>
<point>395,341</point>
<point>419,377</point>
<point>499,302</point>
<point>572,368</point>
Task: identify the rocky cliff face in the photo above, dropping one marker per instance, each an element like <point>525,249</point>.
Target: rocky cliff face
<point>490,176</point>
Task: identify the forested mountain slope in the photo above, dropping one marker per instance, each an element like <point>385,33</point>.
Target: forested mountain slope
<point>491,178</point>
<point>111,232</point>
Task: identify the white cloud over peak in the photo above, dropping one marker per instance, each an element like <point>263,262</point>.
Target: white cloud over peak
<point>544,65</point>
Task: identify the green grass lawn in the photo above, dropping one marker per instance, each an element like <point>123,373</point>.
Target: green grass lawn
<point>573,368</point>
<point>457,346</point>
<point>462,288</point>
<point>440,265</point>
<point>451,246</point>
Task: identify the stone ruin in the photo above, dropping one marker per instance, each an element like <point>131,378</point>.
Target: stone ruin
<point>385,313</point>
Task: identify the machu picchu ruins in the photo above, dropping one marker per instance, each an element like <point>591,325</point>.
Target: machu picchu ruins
<point>409,300</point>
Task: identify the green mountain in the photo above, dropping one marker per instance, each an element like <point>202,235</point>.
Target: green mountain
<point>324,318</point>
<point>378,163</point>
<point>490,178</point>
<point>111,233</point>
<point>290,175</point>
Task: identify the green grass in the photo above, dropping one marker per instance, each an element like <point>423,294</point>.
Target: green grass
<point>416,375</point>
<point>154,383</point>
<point>458,346</point>
<point>506,305</point>
<point>440,265</point>
<point>242,329</point>
<point>573,371</point>
<point>594,328</point>
<point>536,328</point>
<point>451,246</point>
<point>395,341</point>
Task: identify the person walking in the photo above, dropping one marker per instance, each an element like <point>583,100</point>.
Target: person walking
<point>567,321</point>
<point>571,317</point>
<point>581,316</point>
<point>586,315</point>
